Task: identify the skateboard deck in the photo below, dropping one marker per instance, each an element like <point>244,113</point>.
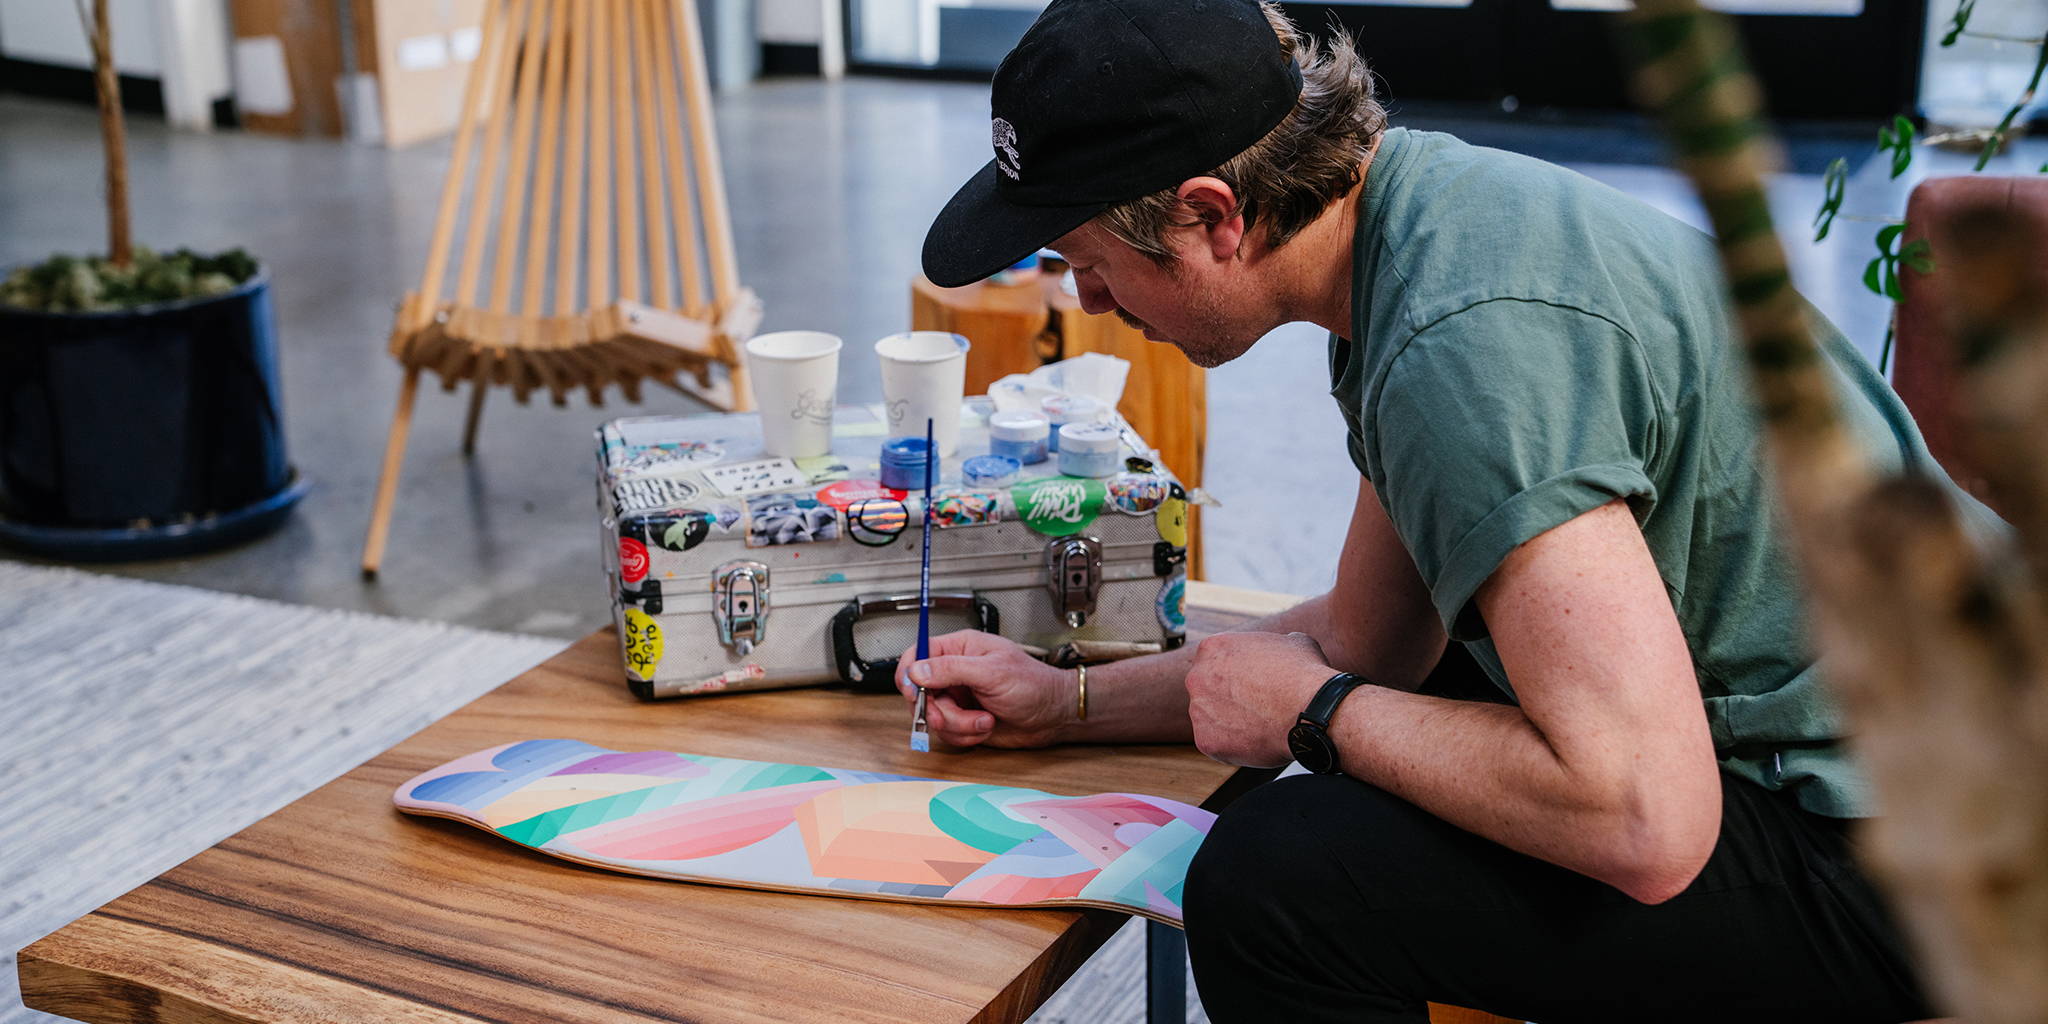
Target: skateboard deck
<point>828,831</point>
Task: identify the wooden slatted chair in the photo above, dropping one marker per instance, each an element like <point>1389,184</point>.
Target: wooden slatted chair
<point>612,257</point>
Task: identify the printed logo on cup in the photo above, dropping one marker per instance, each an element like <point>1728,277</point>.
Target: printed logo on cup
<point>812,407</point>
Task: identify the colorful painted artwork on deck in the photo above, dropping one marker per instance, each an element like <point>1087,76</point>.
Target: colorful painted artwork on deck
<point>831,831</point>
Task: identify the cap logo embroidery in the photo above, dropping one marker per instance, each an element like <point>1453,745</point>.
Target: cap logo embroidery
<point>1004,134</point>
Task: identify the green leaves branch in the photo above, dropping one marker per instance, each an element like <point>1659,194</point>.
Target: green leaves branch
<point>1997,139</point>
<point>1882,273</point>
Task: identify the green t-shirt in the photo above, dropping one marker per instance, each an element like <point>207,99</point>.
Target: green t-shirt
<point>1536,345</point>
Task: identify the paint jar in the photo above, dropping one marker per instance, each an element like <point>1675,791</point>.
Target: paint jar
<point>903,462</point>
<point>1089,449</point>
<point>1061,410</point>
<point>983,471</point>
<point>1019,435</point>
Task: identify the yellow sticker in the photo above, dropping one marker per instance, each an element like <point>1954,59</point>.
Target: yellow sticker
<point>643,644</point>
<point>1173,517</point>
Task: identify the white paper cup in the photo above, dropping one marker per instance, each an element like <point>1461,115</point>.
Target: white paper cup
<point>924,376</point>
<point>795,376</point>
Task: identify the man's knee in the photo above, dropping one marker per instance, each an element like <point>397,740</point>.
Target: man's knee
<point>1271,851</point>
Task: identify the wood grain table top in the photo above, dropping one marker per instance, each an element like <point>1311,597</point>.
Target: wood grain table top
<point>340,908</point>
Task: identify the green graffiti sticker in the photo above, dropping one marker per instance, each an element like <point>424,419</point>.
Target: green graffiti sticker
<point>1059,506</point>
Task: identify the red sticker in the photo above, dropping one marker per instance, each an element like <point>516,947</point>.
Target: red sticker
<point>632,560</point>
<point>846,492</point>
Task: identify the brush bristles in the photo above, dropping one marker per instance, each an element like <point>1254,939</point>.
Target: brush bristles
<point>921,742</point>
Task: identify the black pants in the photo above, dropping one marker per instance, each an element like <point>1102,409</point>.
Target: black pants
<point>1321,898</point>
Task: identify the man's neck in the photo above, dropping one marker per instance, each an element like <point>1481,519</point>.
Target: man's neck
<point>1313,270</point>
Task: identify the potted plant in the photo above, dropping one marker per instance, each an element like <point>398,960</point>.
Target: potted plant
<point>139,405</point>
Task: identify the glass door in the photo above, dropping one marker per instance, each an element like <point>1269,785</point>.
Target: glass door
<point>1831,59</point>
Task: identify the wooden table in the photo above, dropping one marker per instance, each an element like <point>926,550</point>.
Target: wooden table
<point>338,908</point>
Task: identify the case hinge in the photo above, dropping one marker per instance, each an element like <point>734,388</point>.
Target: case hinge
<point>739,604</point>
<point>1073,567</point>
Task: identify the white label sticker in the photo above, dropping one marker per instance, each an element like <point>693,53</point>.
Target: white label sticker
<point>423,53</point>
<point>754,477</point>
<point>262,85</point>
<point>466,42</point>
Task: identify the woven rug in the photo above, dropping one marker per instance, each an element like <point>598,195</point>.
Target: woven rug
<point>144,722</point>
<point>129,706</point>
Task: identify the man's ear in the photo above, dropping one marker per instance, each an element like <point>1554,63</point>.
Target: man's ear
<point>1214,205</point>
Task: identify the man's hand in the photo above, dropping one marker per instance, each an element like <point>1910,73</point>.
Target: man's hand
<point>1246,689</point>
<point>985,689</point>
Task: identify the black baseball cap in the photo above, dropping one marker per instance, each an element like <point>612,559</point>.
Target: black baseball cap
<point>1105,101</point>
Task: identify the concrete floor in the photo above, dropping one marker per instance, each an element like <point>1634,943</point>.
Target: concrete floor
<point>832,186</point>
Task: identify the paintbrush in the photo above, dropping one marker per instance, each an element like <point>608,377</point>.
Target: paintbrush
<point>920,738</point>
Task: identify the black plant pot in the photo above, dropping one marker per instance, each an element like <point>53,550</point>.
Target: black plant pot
<point>142,433</point>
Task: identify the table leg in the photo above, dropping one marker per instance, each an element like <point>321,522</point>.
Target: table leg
<point>1166,974</point>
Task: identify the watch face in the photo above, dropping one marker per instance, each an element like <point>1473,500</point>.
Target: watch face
<point>1311,746</point>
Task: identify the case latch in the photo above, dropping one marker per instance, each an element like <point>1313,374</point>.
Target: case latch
<point>1073,568</point>
<point>739,604</point>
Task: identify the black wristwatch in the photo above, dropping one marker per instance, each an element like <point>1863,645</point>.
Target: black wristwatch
<point>1309,740</point>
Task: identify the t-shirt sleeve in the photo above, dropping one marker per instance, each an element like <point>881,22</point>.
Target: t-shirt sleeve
<point>1500,422</point>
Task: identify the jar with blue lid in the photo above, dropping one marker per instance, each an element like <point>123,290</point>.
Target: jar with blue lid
<point>1090,449</point>
<point>1019,435</point>
<point>903,462</point>
<point>990,471</point>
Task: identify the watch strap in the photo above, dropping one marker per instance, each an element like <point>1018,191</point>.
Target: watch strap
<point>1325,702</point>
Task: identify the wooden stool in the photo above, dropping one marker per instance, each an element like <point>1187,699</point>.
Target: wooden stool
<point>1017,328</point>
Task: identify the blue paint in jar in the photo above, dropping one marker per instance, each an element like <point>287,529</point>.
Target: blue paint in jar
<point>1018,435</point>
<point>990,471</point>
<point>903,460</point>
<point>1090,449</point>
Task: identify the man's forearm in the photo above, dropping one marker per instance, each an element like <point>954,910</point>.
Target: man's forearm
<point>1145,700</point>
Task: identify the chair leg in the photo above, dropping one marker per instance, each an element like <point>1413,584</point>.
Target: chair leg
<point>476,415</point>
<point>387,484</point>
<point>1166,974</point>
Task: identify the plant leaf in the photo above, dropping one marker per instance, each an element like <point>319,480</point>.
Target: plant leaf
<point>1902,145</point>
<point>1959,21</point>
<point>1891,283</point>
<point>1871,280</point>
<point>1887,235</point>
<point>1918,255</point>
<point>1834,185</point>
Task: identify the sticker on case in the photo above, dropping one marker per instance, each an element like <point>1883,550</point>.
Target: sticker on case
<point>679,529</point>
<point>825,469</point>
<point>1173,599</point>
<point>876,522</point>
<point>1173,517</point>
<point>774,519</point>
<point>844,494</point>
<point>966,508</point>
<point>643,644</point>
<point>666,457</point>
<point>632,560</point>
<point>746,673</point>
<point>743,478</point>
<point>1058,506</point>
<point>1137,493</point>
<point>649,494</point>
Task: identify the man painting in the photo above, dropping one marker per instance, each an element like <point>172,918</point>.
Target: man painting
<point>1560,472</point>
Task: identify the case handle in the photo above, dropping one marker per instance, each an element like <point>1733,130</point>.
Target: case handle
<point>879,675</point>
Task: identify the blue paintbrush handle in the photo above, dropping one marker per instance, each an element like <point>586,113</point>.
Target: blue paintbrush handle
<point>924,576</point>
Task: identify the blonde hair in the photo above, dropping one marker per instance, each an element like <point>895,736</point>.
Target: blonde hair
<point>1287,178</point>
